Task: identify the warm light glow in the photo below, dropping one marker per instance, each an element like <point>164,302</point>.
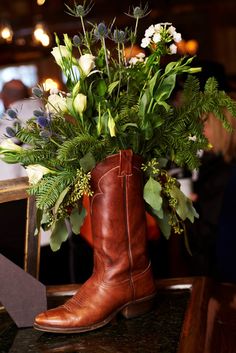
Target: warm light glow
<point>189,47</point>
<point>50,84</point>
<point>40,34</point>
<point>45,40</point>
<point>40,2</point>
<point>6,32</point>
<point>192,46</point>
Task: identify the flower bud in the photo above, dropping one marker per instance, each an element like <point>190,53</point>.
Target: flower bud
<point>67,42</point>
<point>86,63</point>
<point>80,103</point>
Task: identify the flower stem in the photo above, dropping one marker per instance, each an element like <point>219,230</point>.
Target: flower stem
<point>106,58</point>
<point>85,34</point>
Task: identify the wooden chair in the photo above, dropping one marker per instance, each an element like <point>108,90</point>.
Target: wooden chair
<point>14,190</point>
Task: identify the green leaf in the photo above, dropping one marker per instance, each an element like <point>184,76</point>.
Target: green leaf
<point>101,88</point>
<point>87,162</point>
<point>169,67</point>
<point>152,82</point>
<point>165,88</point>
<point>152,194</point>
<point>77,219</point>
<point>59,234</point>
<point>164,225</point>
<point>112,86</point>
<point>184,207</point>
<point>144,102</point>
<point>60,199</point>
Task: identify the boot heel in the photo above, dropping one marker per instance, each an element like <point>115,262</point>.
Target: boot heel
<point>138,308</point>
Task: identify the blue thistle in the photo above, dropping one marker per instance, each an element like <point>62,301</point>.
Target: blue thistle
<point>42,121</point>
<point>119,36</point>
<point>11,113</point>
<point>37,92</point>
<point>10,132</point>
<point>76,40</point>
<point>101,31</point>
<point>38,113</point>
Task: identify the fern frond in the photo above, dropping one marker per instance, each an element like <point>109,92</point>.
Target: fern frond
<point>50,187</point>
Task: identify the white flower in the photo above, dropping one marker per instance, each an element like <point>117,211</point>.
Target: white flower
<point>140,56</point>
<point>56,104</point>
<point>157,27</point>
<point>35,172</point>
<point>177,37</point>
<point>80,103</point>
<point>145,42</point>
<point>156,38</point>
<point>133,60</point>
<point>172,30</point>
<point>8,145</point>
<point>150,31</point>
<point>192,138</point>
<point>86,63</point>
<point>59,53</point>
<point>137,58</point>
<point>173,49</point>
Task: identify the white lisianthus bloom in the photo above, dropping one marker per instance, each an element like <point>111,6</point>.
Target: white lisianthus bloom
<point>145,42</point>
<point>149,31</point>
<point>59,53</point>
<point>35,172</point>
<point>173,49</point>
<point>8,145</point>
<point>80,103</point>
<point>157,38</point>
<point>56,104</point>
<point>86,63</point>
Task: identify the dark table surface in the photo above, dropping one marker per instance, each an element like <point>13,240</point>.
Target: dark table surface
<point>189,316</point>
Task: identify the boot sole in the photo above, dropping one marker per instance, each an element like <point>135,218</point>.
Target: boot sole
<point>130,310</point>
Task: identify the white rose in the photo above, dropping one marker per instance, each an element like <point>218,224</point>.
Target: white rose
<point>56,104</point>
<point>35,172</point>
<point>86,63</point>
<point>80,103</point>
<point>8,145</point>
<point>59,53</point>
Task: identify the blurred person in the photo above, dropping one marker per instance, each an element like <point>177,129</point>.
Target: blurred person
<point>15,95</point>
<point>213,235</point>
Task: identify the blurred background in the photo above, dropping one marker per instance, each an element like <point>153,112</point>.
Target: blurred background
<point>27,31</point>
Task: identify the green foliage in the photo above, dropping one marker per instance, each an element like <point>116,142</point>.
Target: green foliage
<point>115,103</point>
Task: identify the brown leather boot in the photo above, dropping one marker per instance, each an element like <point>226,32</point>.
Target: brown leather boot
<point>122,279</point>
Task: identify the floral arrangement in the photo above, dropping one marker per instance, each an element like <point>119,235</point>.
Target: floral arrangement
<point>113,102</point>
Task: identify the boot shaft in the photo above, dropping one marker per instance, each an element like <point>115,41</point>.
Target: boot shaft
<point>118,216</point>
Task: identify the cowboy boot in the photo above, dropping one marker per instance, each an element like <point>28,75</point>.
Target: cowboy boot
<point>122,279</point>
